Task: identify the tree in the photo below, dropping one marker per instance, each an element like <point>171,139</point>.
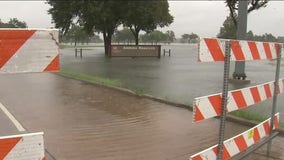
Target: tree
<point>229,29</point>
<point>193,37</point>
<point>63,13</point>
<point>188,38</point>
<point>146,15</point>
<point>13,23</point>
<point>170,36</point>
<point>77,34</point>
<point>96,39</point>
<point>101,16</point>
<point>250,36</point>
<point>253,5</point>
<point>125,36</point>
<point>185,38</point>
<point>154,37</point>
<point>106,15</point>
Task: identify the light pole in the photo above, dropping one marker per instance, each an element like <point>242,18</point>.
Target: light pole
<point>239,72</point>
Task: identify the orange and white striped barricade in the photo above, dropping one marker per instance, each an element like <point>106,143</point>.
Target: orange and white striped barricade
<point>210,106</point>
<point>29,50</point>
<point>239,143</point>
<point>212,50</point>
<point>216,50</point>
<point>22,147</point>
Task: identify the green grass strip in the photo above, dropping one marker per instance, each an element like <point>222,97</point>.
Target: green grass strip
<point>116,83</point>
<point>66,46</point>
<point>91,78</point>
<point>251,116</point>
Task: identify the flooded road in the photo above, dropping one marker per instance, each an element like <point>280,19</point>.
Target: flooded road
<point>177,78</point>
<point>83,121</point>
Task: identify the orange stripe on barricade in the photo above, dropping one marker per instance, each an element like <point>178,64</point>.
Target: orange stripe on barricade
<point>216,102</point>
<point>237,50</point>
<point>53,66</point>
<point>267,50</point>
<point>255,94</point>
<point>268,92</point>
<point>11,41</point>
<point>254,50</point>
<point>215,49</point>
<point>256,136</point>
<point>241,143</point>
<point>266,127</point>
<point>6,145</point>
<point>241,103</point>
<point>199,115</point>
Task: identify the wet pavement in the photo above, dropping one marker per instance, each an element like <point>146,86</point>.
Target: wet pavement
<point>84,121</point>
<point>178,78</point>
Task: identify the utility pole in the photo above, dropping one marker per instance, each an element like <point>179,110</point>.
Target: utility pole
<point>239,72</point>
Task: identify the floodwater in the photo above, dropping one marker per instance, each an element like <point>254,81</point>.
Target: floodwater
<point>177,78</point>
<point>85,121</point>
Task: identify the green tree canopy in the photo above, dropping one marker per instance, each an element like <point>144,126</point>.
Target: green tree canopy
<point>146,15</point>
<point>105,16</point>
<point>228,30</point>
<point>154,37</point>
<point>189,38</point>
<point>101,16</point>
<point>267,37</point>
<point>77,34</point>
<point>170,36</point>
<point>125,36</point>
<point>13,23</point>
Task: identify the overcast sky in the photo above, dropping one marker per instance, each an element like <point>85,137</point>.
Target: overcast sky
<point>201,17</point>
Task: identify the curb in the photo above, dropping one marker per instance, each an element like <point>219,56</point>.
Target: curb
<point>230,118</point>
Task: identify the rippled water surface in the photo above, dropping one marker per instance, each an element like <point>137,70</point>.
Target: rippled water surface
<point>82,121</point>
<point>177,78</point>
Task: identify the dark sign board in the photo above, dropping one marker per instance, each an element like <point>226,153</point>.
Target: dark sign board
<point>136,51</point>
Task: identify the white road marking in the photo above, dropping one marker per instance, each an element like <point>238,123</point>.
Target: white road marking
<point>12,118</point>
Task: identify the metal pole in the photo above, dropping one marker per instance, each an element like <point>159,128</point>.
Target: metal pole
<point>275,94</point>
<point>241,35</point>
<point>224,99</point>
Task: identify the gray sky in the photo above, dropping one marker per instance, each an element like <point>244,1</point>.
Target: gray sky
<point>201,17</point>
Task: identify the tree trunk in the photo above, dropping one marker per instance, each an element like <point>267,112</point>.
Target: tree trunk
<point>107,42</point>
<point>137,38</point>
<point>135,31</point>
